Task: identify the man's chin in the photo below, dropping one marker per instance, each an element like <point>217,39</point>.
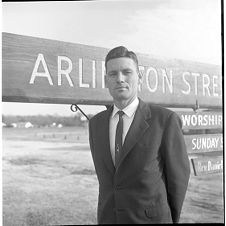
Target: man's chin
<point>121,97</point>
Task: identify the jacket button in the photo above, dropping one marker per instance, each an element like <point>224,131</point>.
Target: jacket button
<point>119,210</point>
<point>118,187</point>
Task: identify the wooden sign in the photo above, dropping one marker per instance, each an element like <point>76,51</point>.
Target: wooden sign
<point>207,165</point>
<point>48,71</point>
<point>204,143</point>
<point>201,120</point>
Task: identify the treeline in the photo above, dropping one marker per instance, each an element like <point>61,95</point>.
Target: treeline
<point>47,120</point>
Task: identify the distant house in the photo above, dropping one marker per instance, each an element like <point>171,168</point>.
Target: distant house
<point>29,125</point>
<point>53,124</point>
<point>83,118</point>
<point>60,126</point>
<point>23,125</point>
<point>7,125</point>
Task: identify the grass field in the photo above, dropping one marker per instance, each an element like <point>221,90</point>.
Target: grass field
<point>49,179</point>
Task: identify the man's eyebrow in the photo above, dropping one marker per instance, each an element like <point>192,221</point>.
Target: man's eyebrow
<point>123,69</point>
<point>126,69</point>
<point>112,71</point>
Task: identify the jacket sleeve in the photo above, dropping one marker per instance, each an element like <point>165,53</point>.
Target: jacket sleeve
<point>91,138</point>
<point>175,164</point>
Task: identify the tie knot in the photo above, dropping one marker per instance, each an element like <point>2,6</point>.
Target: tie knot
<point>120,113</point>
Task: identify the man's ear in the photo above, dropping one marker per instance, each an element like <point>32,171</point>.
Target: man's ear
<point>140,81</point>
<point>140,76</point>
<point>106,81</point>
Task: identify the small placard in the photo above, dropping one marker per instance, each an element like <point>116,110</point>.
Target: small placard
<point>207,165</point>
<point>204,143</point>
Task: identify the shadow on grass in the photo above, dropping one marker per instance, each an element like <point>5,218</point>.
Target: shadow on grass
<point>25,161</point>
<point>36,219</point>
<point>72,148</point>
<point>84,172</point>
<point>36,161</point>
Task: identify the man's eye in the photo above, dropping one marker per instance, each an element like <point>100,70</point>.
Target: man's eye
<point>127,72</point>
<point>112,73</point>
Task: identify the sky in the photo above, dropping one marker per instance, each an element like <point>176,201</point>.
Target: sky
<point>181,29</point>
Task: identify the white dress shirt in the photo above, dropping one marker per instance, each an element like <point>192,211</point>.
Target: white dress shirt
<point>128,116</point>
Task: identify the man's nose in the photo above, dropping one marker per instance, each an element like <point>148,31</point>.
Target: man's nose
<point>120,77</point>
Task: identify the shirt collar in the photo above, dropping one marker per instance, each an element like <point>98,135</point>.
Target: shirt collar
<point>128,110</point>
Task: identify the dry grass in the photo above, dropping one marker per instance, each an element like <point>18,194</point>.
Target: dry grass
<point>50,180</point>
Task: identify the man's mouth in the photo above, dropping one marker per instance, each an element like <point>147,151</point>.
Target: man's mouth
<point>121,87</point>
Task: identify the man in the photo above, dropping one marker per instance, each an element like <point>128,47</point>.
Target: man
<point>138,152</point>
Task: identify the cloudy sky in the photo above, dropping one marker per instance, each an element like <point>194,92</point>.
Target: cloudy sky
<point>183,29</point>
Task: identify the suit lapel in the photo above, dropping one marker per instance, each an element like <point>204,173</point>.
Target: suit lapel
<point>104,130</point>
<point>136,130</point>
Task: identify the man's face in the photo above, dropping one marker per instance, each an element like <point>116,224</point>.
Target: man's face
<point>122,79</point>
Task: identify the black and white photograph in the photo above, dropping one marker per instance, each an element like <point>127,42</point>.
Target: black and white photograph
<point>112,112</point>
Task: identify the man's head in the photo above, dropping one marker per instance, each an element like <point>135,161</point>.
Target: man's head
<point>118,52</point>
<point>122,75</point>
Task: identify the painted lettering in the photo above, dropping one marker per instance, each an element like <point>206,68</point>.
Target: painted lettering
<point>221,143</point>
<point>202,143</point>
<point>196,75</point>
<point>186,92</point>
<point>201,168</point>
<point>154,80</point>
<point>215,86</point>
<point>205,84</point>
<point>65,72</point>
<point>186,120</point>
<point>81,84</point>
<point>209,166</point>
<point>201,120</point>
<point>148,74</point>
<point>94,73</point>
<point>168,80</point>
<point>103,74</point>
<point>35,73</point>
<point>141,73</point>
<point>215,166</point>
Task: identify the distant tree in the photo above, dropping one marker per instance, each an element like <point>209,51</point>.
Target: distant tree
<point>44,120</point>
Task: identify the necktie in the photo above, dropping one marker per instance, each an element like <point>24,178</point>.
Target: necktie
<point>118,137</point>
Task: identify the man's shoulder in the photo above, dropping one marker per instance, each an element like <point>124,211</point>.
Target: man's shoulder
<point>99,116</point>
<point>163,115</point>
<point>159,110</point>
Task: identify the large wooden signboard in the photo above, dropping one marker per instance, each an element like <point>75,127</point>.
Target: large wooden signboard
<point>47,71</point>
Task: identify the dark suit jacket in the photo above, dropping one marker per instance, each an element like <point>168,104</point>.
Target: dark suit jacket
<point>150,182</point>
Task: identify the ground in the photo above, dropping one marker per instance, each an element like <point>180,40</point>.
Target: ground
<point>49,179</point>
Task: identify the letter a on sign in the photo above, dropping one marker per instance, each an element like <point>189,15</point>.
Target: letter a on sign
<point>35,72</point>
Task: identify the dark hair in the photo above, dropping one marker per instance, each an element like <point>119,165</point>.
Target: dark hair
<point>118,52</point>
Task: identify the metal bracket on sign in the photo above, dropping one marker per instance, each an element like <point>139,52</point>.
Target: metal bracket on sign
<point>196,107</point>
<point>75,107</point>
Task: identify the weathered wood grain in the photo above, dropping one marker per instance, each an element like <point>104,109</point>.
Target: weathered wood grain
<point>47,71</point>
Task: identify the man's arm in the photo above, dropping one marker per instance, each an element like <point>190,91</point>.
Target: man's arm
<point>176,164</point>
<point>90,138</point>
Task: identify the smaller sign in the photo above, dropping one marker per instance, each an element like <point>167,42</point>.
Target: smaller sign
<point>204,143</point>
<point>201,120</point>
<point>207,165</point>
